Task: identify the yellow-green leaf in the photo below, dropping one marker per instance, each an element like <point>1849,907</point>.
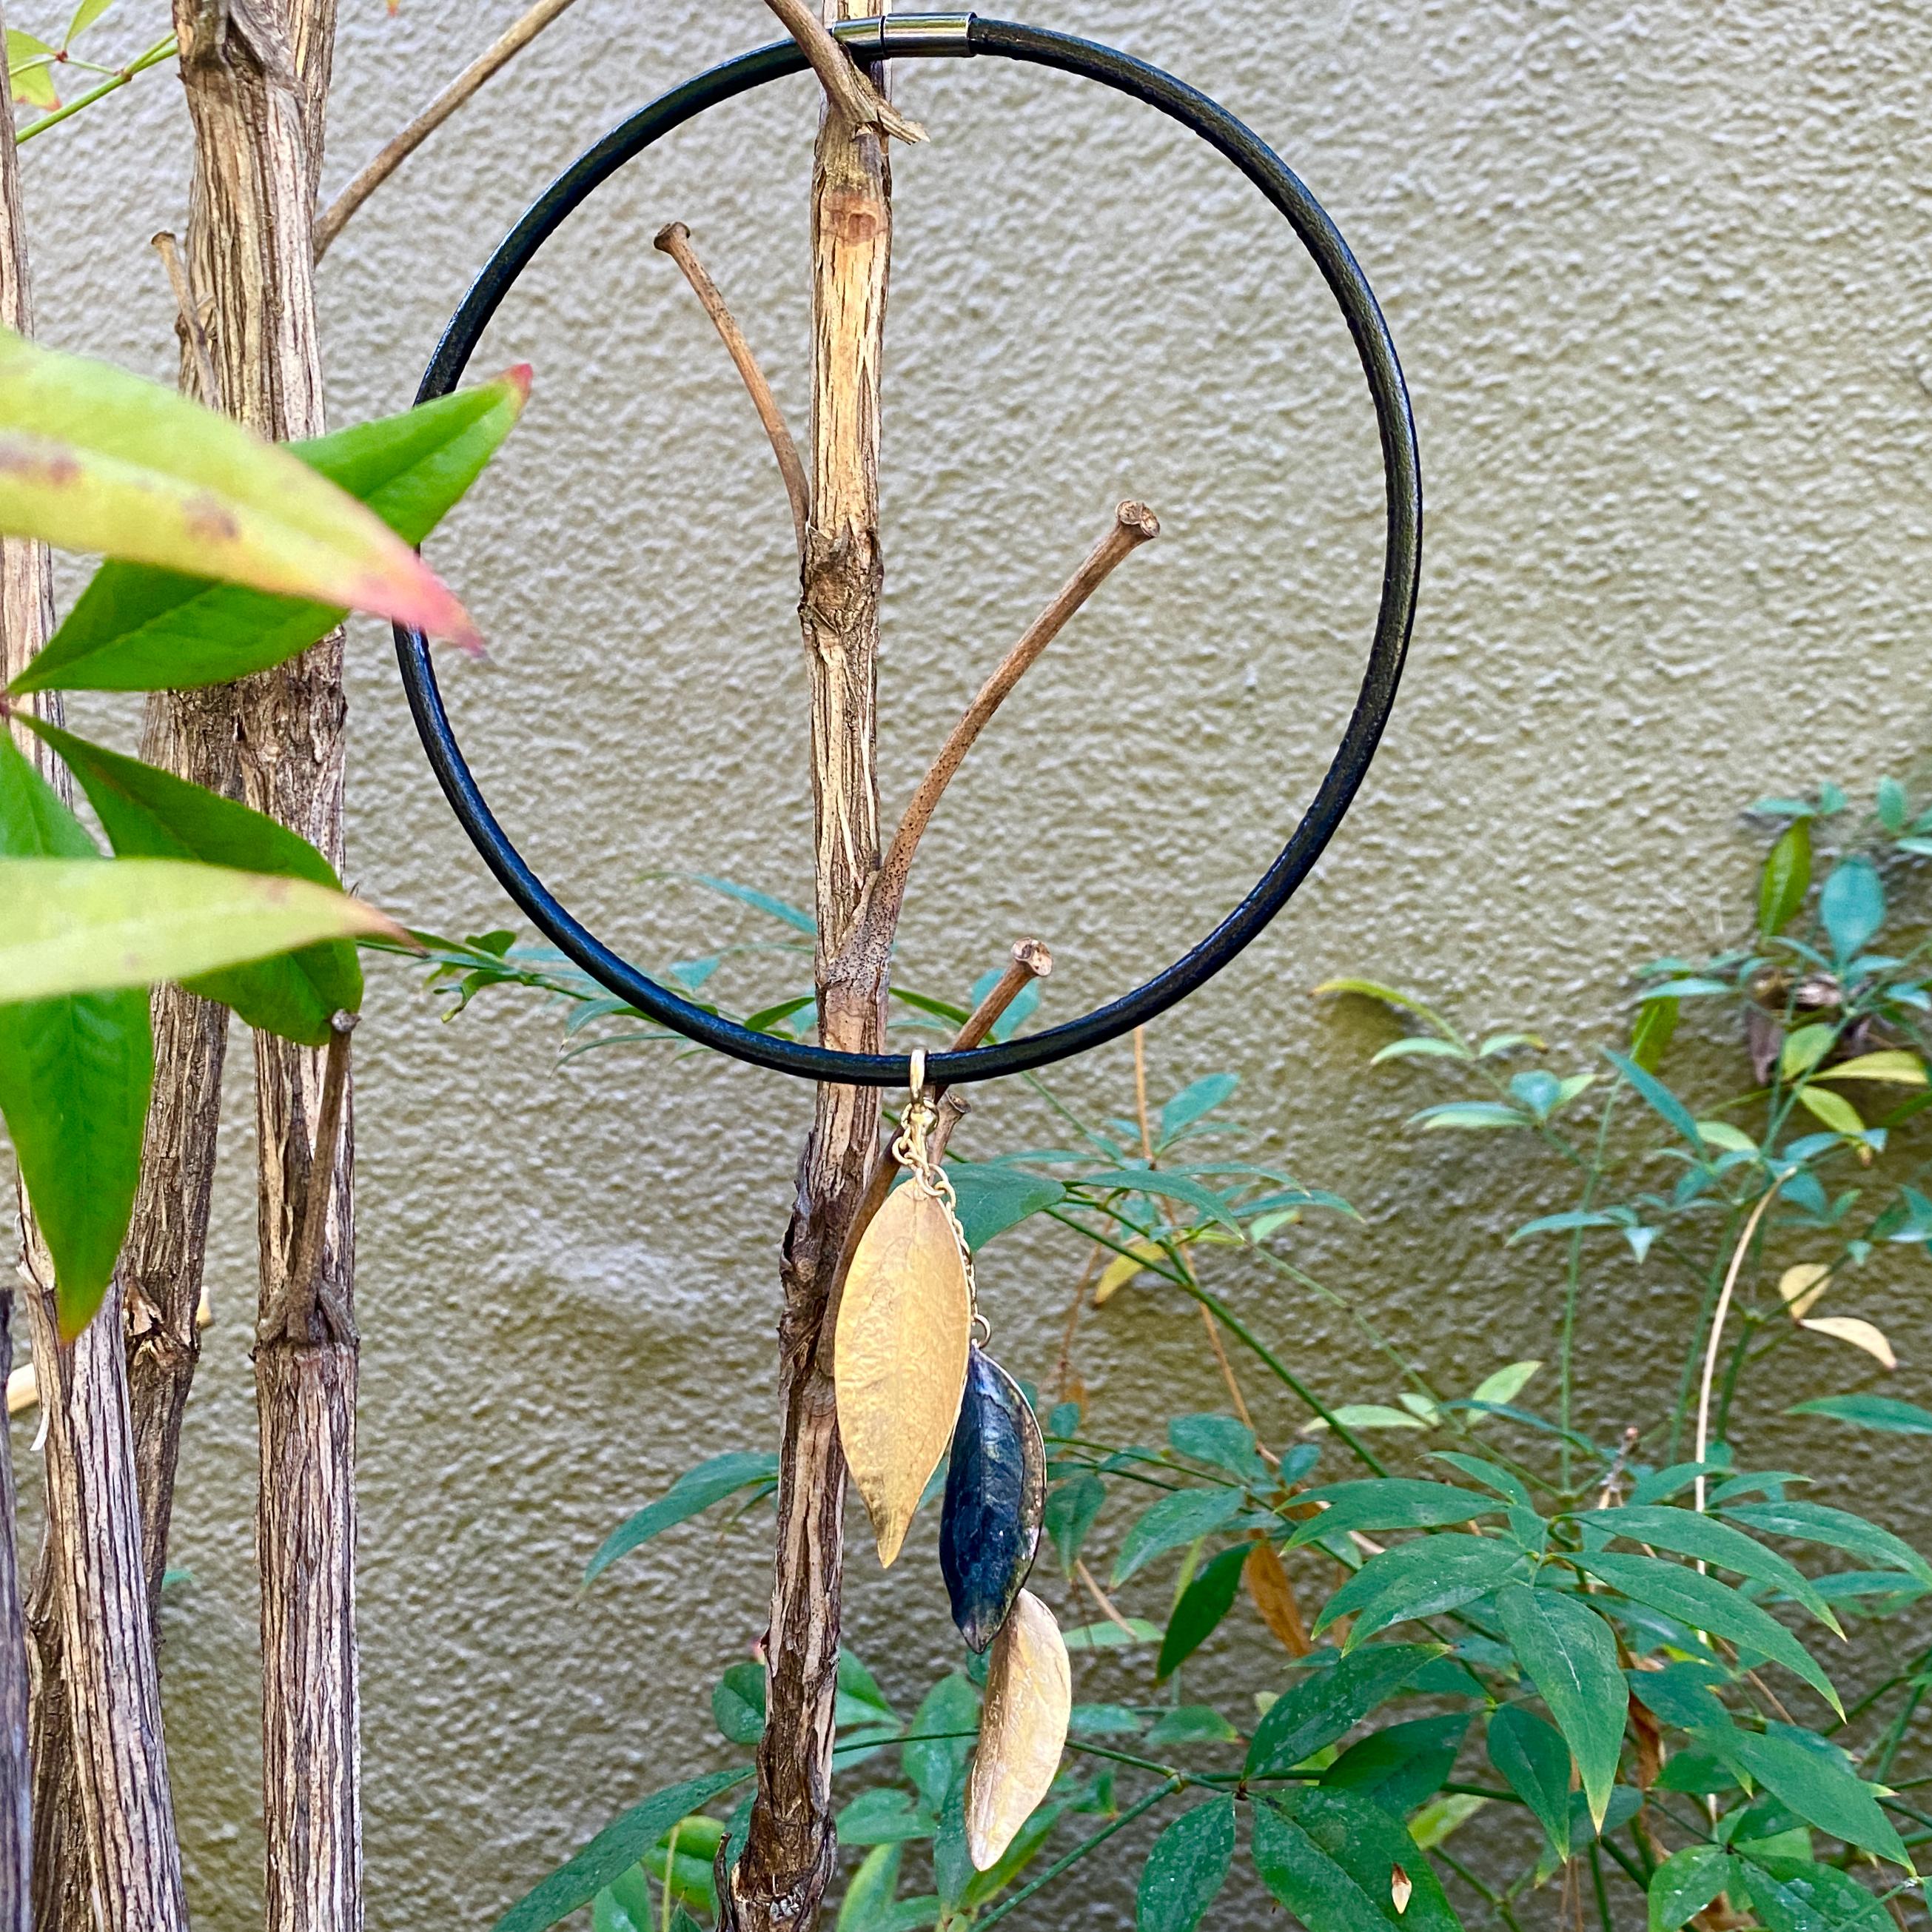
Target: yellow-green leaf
<point>1897,1066</point>
<point>1834,1109</point>
<point>78,925</point>
<point>93,458</point>
<point>30,70</point>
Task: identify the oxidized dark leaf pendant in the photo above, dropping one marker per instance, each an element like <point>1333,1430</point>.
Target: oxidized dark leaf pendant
<point>995,1495</point>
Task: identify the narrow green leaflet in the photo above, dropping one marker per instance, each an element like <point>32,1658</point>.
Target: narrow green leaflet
<point>1570,1657</point>
<point>1187,1868</point>
<point>1534,1763</point>
<point>1869,1412</point>
<point>1071,1508</point>
<point>1794,1895</point>
<point>1333,1858</point>
<point>1421,1579</point>
<point>1401,1764</point>
<point>1391,1502</point>
<point>1836,1528</point>
<point>942,1731</point>
<point>96,459</point>
<point>76,1069</point>
<point>884,1816</point>
<point>1816,1785</point>
<point>873,1888</point>
<point>1205,1601</point>
<point>1180,1187</point>
<point>1691,1534</point>
<point>1687,1881</point>
<point>697,1489</point>
<point>1192,1724</point>
<point>78,925</point>
<point>1659,1099</point>
<point>1705,1604</point>
<point>1326,1703</point>
<point>738,1704</point>
<point>151,814</point>
<point>1491,1475</point>
<point>138,627</point>
<point>1175,1519</point>
<point>993,1198</point>
<point>1191,1103</point>
<point>1785,879</point>
<point>613,1851</point>
<point>1227,1444</point>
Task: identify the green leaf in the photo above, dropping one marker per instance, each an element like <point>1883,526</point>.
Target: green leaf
<point>993,1199</point>
<point>1805,1048</point>
<point>874,1884</point>
<point>1390,1502</point>
<point>85,16</point>
<point>1534,1763</point>
<point>613,1851</point>
<point>1223,1442</point>
<point>1167,1186</point>
<point>1505,1384</point>
<point>1569,1654</point>
<point>93,458</point>
<point>1836,1528</point>
<point>1186,1869</point>
<point>137,628</point>
<point>1205,1601</point>
<point>1785,879</point>
<point>1705,1604</point>
<point>76,1070</point>
<point>1191,1103</point>
<point>1795,1895</point>
<point>1176,1519</point>
<point>1192,1724</point>
<point>1687,1881</point>
<point>697,1489</point>
<point>1071,1508</point>
<point>1421,1579</point>
<point>1401,1764</point>
<point>1331,1858</point>
<point>1869,1412</point>
<point>935,1759</point>
<point>80,926</point>
<point>1491,1475</point>
<point>1472,1114</point>
<point>29,70</point>
<point>1650,1032</point>
<point>1660,1099</point>
<point>1407,1003</point>
<point>738,1704</point>
<point>1852,906</point>
<point>148,814</point>
<point>1420,1046</point>
<point>1815,1784</point>
<point>1691,1534</point>
<point>1834,1110</point>
<point>1328,1702</point>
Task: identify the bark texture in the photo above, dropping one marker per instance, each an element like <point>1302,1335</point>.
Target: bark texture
<point>788,1858</point>
<point>103,1849</point>
<point>257,76</point>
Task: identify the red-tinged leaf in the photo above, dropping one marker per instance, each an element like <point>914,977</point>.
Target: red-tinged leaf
<point>94,459</point>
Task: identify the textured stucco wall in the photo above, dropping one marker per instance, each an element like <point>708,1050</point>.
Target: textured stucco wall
<point>1658,275</point>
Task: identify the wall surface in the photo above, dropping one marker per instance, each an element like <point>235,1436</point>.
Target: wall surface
<point>1659,276</point>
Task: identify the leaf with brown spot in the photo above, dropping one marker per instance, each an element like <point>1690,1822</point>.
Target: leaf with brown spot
<point>1023,1731</point>
<point>905,1323</point>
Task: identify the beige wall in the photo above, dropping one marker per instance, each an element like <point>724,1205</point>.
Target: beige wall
<point>1658,275</point>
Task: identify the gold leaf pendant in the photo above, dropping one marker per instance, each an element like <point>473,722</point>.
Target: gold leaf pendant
<point>1029,1699</point>
<point>905,1323</point>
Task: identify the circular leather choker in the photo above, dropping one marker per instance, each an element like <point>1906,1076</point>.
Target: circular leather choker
<point>917,36</point>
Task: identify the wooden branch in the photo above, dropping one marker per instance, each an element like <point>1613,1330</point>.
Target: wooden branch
<point>1134,524</point>
<point>674,239</point>
<point>306,1290</point>
<point>194,337</point>
<point>849,91</point>
<point>400,146</point>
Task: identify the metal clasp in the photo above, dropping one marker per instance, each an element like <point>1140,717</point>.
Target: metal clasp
<point>907,36</point>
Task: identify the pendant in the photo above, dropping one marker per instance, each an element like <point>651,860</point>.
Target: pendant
<point>1023,1731</point>
<point>995,1495</point>
<point>899,1348</point>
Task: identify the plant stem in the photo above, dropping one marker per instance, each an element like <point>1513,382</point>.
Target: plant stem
<point>1079,1852</point>
<point>163,49</point>
<point>1572,1282</point>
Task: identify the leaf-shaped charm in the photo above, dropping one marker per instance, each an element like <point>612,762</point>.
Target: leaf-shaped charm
<point>995,1495</point>
<point>1029,1699</point>
<point>905,1323</point>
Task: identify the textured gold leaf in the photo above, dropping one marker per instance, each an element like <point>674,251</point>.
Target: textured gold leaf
<point>1029,1699</point>
<point>899,1356</point>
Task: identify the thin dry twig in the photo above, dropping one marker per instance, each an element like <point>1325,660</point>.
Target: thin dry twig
<point>190,317</point>
<point>1141,1096</point>
<point>1101,1597</point>
<point>674,239</point>
<point>1063,1378</point>
<point>846,84</point>
<point>1134,524</point>
<point>400,147</point>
